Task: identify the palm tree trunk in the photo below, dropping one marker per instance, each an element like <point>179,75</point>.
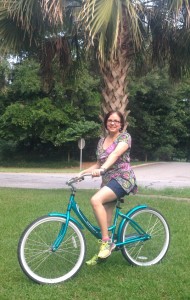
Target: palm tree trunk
<point>115,71</point>
<point>114,93</point>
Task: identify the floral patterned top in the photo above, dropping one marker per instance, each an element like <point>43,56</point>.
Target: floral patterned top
<point>121,169</point>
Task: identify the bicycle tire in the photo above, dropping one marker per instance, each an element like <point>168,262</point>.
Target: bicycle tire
<point>153,250</point>
<point>35,255</point>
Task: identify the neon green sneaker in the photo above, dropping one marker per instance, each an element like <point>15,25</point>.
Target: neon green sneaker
<point>106,249</point>
<point>93,261</point>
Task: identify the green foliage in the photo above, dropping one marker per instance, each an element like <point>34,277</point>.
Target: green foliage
<point>160,118</point>
<point>26,79</point>
<point>4,73</point>
<point>82,89</point>
<point>30,118</point>
<point>182,149</point>
<point>77,130</point>
<point>43,120</point>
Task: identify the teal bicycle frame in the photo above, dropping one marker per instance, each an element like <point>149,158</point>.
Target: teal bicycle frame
<point>95,230</point>
<point>52,248</point>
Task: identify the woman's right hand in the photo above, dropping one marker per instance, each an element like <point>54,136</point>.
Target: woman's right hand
<point>91,170</point>
<point>96,172</point>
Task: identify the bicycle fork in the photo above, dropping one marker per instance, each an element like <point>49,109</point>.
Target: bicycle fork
<point>60,236</point>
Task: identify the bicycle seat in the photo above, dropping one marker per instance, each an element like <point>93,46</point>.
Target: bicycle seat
<point>134,190</point>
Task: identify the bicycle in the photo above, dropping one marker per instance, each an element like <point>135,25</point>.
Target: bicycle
<point>52,248</point>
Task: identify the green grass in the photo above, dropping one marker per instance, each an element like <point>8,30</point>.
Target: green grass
<point>52,168</point>
<point>39,170</point>
<point>45,167</point>
<point>115,279</point>
<point>167,192</point>
<point>39,166</point>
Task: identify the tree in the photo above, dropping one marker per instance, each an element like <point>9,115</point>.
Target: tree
<point>182,149</point>
<point>4,73</point>
<point>124,30</point>
<point>115,27</point>
<point>160,117</point>
<point>34,121</point>
<point>119,30</point>
<point>27,29</point>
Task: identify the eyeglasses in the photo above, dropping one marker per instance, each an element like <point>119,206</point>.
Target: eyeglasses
<point>113,121</point>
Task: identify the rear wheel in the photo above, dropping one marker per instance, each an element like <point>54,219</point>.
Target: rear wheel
<point>36,257</point>
<point>150,251</point>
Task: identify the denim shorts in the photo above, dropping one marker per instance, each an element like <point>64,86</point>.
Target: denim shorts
<point>116,188</point>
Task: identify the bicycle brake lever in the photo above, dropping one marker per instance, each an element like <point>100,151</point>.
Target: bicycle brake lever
<point>72,180</point>
<point>75,179</point>
<point>80,178</point>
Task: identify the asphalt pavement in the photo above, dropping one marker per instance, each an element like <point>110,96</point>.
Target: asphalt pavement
<point>155,175</point>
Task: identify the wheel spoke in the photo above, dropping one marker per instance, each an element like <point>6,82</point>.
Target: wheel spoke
<point>150,251</point>
<point>40,262</point>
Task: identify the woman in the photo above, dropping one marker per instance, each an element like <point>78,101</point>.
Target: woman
<point>118,179</point>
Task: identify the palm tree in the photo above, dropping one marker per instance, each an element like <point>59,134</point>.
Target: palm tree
<point>121,32</point>
<point>126,30</point>
<point>36,27</point>
<point>114,26</point>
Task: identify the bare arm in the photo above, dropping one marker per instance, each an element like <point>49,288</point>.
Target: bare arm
<point>112,158</point>
<point>89,170</point>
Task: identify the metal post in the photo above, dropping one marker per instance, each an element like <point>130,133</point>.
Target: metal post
<point>81,155</point>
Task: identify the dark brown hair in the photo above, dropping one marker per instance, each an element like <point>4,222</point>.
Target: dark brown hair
<point>119,115</point>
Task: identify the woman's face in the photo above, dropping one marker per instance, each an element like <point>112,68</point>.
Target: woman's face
<point>113,123</point>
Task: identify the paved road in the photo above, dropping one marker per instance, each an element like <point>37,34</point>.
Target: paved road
<point>159,175</point>
<point>171,174</point>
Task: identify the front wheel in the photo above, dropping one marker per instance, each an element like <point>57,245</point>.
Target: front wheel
<point>37,258</point>
<point>150,251</point>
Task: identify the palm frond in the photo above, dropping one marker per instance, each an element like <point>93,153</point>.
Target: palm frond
<point>12,36</point>
<point>53,10</point>
<point>179,60</point>
<point>180,8</point>
<point>103,20</point>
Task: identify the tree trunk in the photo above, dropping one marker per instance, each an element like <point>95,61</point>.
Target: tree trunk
<point>114,93</point>
<point>115,71</point>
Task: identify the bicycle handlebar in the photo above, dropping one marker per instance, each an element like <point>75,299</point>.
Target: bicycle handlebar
<point>77,179</point>
<point>80,178</point>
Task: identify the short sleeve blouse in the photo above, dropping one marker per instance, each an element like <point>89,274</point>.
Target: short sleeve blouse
<point>121,169</point>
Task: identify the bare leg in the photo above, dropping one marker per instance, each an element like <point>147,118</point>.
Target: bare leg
<point>109,207</point>
<point>103,210</point>
<point>103,214</point>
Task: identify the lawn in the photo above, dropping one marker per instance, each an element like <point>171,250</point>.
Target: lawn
<point>115,279</point>
<point>48,167</point>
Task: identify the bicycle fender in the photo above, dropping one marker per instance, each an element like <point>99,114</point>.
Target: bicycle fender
<point>138,207</point>
<point>128,214</point>
<point>64,216</point>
